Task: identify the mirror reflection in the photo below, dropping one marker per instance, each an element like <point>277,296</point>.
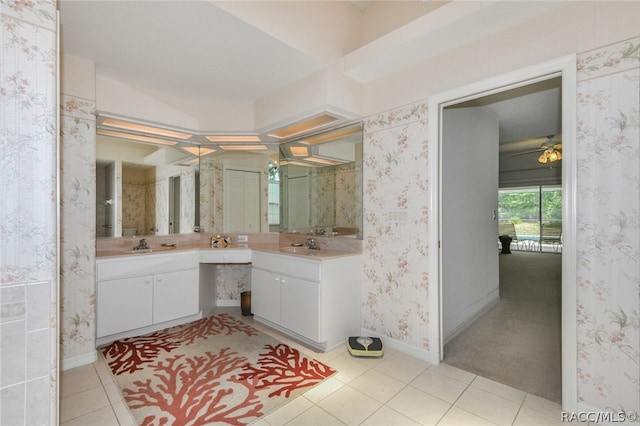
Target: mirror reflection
<point>150,189</point>
<point>321,183</point>
<point>234,192</point>
<point>145,189</point>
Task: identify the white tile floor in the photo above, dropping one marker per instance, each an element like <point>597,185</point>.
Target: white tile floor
<point>396,389</point>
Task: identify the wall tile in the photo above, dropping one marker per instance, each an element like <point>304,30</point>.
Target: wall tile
<point>38,355</point>
<point>13,354</point>
<point>12,303</point>
<point>28,212</point>
<point>38,315</point>
<point>37,406</point>
<point>12,401</point>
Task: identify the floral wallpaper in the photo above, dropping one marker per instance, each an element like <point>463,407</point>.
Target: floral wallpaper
<point>395,288</point>
<point>28,213</point>
<point>348,195</point>
<point>162,205</point>
<point>322,195</point>
<point>211,178</point>
<point>395,275</point>
<point>150,227</point>
<point>187,200</point>
<point>608,234</point>
<point>134,200</point>
<point>78,208</point>
<point>335,194</point>
<point>231,280</point>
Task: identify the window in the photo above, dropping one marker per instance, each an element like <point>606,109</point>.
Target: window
<point>274,198</point>
<point>536,213</point>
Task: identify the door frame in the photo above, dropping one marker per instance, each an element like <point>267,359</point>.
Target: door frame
<point>564,67</point>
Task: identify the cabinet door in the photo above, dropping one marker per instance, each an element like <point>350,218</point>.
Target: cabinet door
<point>124,304</point>
<point>299,306</point>
<point>265,295</point>
<point>175,295</point>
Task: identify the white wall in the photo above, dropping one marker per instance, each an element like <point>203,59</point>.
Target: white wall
<point>574,27</point>
<point>469,227</point>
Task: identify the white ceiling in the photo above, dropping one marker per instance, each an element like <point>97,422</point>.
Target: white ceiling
<point>195,49</point>
<point>183,48</point>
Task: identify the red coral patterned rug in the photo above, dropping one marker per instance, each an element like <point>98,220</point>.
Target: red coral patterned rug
<point>217,370</point>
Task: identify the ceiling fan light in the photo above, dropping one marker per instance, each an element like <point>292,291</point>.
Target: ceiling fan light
<point>553,157</point>
<point>543,158</point>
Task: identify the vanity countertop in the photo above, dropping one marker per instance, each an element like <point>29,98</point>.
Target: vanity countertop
<point>277,248</point>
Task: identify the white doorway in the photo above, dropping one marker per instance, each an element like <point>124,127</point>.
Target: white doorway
<point>566,69</point>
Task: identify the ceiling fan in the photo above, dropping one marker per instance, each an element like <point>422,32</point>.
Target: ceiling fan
<point>551,151</point>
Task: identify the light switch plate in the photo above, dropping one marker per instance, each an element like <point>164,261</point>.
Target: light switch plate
<point>243,238</point>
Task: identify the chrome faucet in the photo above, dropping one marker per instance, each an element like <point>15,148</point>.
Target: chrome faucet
<point>312,243</point>
<point>142,245</point>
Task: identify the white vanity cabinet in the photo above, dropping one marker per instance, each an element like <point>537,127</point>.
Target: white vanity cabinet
<point>316,300</point>
<point>138,292</point>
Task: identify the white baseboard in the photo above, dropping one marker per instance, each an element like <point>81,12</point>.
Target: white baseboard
<point>79,360</point>
<point>486,305</point>
<point>227,303</point>
<point>399,346</point>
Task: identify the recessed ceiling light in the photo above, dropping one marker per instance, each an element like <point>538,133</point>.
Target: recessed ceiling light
<point>298,163</point>
<point>198,151</point>
<point>134,127</point>
<point>304,126</point>
<point>299,151</point>
<point>323,161</point>
<point>233,138</point>
<point>243,147</point>
<point>336,134</point>
<point>139,138</point>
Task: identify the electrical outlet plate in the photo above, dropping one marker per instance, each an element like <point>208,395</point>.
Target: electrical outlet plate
<point>243,239</point>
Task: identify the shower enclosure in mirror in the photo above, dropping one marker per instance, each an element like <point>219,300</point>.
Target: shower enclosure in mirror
<point>321,183</point>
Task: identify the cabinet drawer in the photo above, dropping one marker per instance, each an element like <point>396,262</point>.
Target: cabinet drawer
<point>294,266</point>
<point>225,256</point>
<point>144,264</point>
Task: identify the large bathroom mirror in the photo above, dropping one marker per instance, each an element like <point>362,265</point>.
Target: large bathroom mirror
<point>146,188</point>
<point>235,194</point>
<point>143,188</point>
<point>321,183</point>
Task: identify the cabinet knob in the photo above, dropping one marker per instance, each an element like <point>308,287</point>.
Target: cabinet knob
<point>283,281</point>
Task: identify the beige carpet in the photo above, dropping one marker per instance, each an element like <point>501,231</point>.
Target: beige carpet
<point>517,342</point>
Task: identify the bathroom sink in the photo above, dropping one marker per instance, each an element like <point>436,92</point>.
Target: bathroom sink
<point>141,251</point>
<point>297,250</point>
<point>162,248</point>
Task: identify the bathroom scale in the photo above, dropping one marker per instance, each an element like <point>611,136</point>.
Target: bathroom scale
<point>365,346</point>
